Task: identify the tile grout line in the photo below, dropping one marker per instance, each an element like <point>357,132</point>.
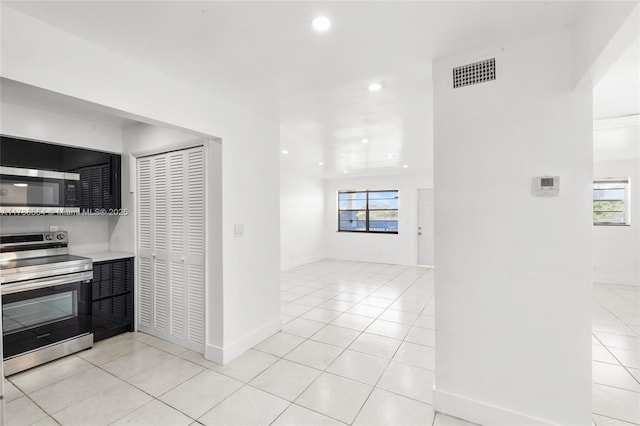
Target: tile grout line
<point>361,332</point>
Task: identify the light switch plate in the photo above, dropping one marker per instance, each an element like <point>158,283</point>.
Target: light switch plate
<point>238,230</point>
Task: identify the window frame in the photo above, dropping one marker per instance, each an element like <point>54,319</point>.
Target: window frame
<point>367,209</point>
<point>626,202</point>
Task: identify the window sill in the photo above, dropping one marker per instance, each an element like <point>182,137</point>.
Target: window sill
<point>611,224</point>
<point>367,232</point>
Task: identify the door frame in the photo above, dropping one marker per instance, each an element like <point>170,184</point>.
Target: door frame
<point>418,224</point>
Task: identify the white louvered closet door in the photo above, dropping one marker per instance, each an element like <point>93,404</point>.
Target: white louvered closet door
<point>171,214</point>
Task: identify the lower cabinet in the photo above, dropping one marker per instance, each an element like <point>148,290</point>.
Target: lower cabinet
<point>112,294</point>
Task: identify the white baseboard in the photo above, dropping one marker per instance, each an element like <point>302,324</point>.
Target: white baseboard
<point>370,260</point>
<point>229,352</point>
<point>289,265</point>
<point>480,412</point>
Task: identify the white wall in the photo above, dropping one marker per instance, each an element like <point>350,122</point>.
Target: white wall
<point>137,138</point>
<point>602,32</point>
<point>41,55</point>
<point>401,248</point>
<point>301,219</point>
<point>87,234</point>
<point>513,293</point>
<point>48,126</point>
<point>616,249</point>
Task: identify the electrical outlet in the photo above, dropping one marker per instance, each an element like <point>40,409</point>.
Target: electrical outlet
<point>53,228</point>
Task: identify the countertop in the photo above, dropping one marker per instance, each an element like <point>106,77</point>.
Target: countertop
<point>107,255</point>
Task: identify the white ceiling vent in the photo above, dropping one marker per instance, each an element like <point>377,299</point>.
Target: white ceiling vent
<point>478,72</point>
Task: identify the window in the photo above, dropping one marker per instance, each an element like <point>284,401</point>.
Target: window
<point>368,211</point>
<point>611,201</point>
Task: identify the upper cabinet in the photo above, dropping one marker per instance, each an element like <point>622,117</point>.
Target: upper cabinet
<point>100,172</point>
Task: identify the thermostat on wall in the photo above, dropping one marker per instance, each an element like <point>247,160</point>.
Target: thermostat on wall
<point>544,186</point>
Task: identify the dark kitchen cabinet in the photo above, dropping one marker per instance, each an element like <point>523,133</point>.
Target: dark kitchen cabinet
<point>100,172</point>
<point>112,294</point>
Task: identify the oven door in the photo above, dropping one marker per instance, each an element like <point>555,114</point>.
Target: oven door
<point>38,313</point>
<point>24,191</point>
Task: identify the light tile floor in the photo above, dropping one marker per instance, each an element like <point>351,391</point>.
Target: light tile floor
<point>357,347</point>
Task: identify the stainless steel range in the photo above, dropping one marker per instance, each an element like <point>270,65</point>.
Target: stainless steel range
<point>46,299</point>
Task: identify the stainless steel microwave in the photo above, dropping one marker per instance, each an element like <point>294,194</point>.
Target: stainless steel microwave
<point>35,192</point>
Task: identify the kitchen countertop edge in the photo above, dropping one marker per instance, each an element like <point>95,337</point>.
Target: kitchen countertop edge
<point>104,256</point>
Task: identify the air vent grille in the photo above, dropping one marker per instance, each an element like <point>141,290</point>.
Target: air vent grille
<point>478,72</point>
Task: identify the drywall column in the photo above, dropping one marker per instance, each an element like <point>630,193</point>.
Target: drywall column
<point>513,282</point>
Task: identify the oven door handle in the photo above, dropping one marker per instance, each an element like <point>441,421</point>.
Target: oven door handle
<point>45,282</point>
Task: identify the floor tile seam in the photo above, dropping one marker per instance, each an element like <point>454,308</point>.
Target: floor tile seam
<point>423,328</point>
<point>375,386</point>
<point>418,343</point>
<point>617,364</point>
<point>52,383</point>
<point>310,409</point>
<point>615,387</point>
<point>611,332</point>
<point>620,364</point>
<point>346,378</point>
<point>616,358</point>
<point>216,404</point>
<point>325,371</point>
<point>169,390</point>
<point>119,356</point>
<point>614,315</point>
<point>146,368</point>
<point>615,418</point>
<point>144,405</point>
<point>404,396</point>
<point>617,335</point>
<point>86,396</point>
<point>619,348</point>
<point>47,414</point>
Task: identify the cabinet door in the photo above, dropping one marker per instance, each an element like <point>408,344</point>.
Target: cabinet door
<point>112,310</point>
<point>94,191</point>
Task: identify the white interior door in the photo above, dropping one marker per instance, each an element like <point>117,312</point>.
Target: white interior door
<point>426,227</point>
<point>171,246</point>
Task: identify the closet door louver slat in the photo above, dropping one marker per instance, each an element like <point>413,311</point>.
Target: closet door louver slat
<point>145,243</point>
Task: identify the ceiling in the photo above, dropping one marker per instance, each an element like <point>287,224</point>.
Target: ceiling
<point>618,92</point>
<point>265,56</point>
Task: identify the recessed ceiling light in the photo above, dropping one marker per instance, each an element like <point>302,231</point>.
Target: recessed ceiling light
<point>389,155</point>
<point>374,87</point>
<point>320,163</point>
<point>345,171</point>
<point>321,23</point>
<point>364,140</point>
<point>405,166</point>
<point>284,151</point>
